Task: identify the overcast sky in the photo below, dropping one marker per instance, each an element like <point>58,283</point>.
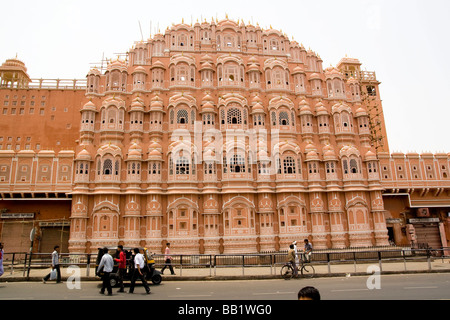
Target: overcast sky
<point>405,42</point>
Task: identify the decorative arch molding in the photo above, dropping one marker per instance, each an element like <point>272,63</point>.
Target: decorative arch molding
<point>275,62</point>
<point>182,98</point>
<point>182,202</point>
<point>185,146</point>
<point>347,151</point>
<point>105,204</point>
<point>281,101</point>
<point>286,146</point>
<point>340,107</point>
<point>230,98</point>
<point>112,149</point>
<point>291,200</point>
<point>238,200</point>
<point>182,58</point>
<point>223,59</point>
<point>113,102</point>
<point>356,202</point>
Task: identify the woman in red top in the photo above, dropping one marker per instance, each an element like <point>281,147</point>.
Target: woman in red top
<point>122,266</point>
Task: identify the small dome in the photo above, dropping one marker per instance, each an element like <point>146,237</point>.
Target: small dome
<point>305,108</point>
<point>84,155</point>
<point>253,67</point>
<point>207,107</point>
<point>360,112</point>
<point>370,156</point>
<point>312,155</point>
<point>93,72</point>
<point>257,108</point>
<point>208,98</point>
<point>253,60</point>
<point>158,64</point>
<point>310,147</point>
<point>156,104</point>
<point>206,66</point>
<point>117,65</point>
<point>137,104</point>
<point>89,106</point>
<point>155,155</point>
<point>298,69</point>
<point>155,145</point>
<point>139,69</point>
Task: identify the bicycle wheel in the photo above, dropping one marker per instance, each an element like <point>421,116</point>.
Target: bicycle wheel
<point>308,271</point>
<point>287,272</point>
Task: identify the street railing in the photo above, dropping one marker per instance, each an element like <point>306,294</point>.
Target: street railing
<point>27,261</point>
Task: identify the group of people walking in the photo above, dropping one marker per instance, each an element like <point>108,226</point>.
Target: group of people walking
<point>293,257</point>
<point>107,265</point>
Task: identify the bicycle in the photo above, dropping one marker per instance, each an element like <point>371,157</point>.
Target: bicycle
<point>306,270</point>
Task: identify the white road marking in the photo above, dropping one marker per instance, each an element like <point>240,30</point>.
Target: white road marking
<point>343,290</point>
<point>271,293</point>
<point>190,296</point>
<point>432,287</point>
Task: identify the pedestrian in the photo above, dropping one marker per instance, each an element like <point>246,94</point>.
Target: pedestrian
<point>168,260</point>
<point>55,266</point>
<point>307,251</point>
<point>122,260</point>
<point>139,270</point>
<point>107,263</point>
<point>1,259</point>
<point>291,258</point>
<point>308,293</point>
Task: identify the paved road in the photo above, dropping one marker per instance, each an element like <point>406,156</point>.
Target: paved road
<point>392,287</point>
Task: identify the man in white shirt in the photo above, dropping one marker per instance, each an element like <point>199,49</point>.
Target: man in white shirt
<point>139,265</point>
<point>55,266</point>
<point>107,263</point>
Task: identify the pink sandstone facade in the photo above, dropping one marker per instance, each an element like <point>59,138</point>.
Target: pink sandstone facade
<point>219,137</point>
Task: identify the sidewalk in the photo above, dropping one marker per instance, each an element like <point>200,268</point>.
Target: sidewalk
<point>249,273</point>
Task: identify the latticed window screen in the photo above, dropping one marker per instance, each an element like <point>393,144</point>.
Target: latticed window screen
<point>182,116</point>
<point>237,164</point>
<point>107,167</point>
<point>182,166</point>
<point>345,164</point>
<point>283,118</point>
<point>116,168</point>
<point>289,165</point>
<point>353,166</point>
<point>234,116</point>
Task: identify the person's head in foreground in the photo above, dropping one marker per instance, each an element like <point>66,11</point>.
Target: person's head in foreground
<point>308,293</point>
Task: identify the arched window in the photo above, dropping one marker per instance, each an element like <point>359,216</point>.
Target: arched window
<point>182,116</point>
<point>182,166</point>
<point>345,164</point>
<point>234,116</point>
<point>107,167</point>
<point>283,118</point>
<point>237,164</point>
<point>353,166</point>
<point>289,165</point>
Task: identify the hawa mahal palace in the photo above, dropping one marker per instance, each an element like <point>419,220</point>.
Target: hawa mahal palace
<point>218,137</point>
